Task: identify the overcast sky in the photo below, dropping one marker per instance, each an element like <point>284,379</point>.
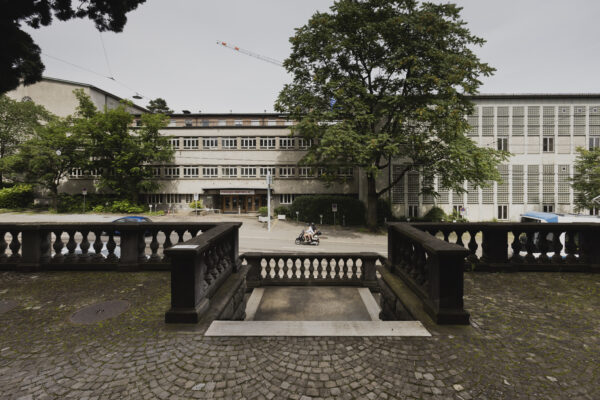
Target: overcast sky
<point>168,49</point>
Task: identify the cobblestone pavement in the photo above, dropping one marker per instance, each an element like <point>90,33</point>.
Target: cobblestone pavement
<point>534,336</point>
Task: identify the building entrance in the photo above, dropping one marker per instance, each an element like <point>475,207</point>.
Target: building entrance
<point>242,203</point>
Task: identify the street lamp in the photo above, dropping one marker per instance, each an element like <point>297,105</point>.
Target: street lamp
<point>84,193</point>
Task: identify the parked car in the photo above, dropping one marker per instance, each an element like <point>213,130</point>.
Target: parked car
<point>132,218</point>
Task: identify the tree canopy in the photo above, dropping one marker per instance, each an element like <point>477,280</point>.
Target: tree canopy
<point>20,56</point>
<point>381,80</point>
<point>159,105</point>
<point>18,122</point>
<point>586,180</point>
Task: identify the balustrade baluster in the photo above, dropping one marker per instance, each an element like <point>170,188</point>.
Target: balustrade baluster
<point>142,247</point>
<point>446,234</point>
<point>472,258</point>
<point>354,268</point>
<point>166,244</point>
<point>284,268</point>
<point>71,246</point>
<point>180,233</point>
<point>339,272</point>
<point>530,247</point>
<point>311,268</point>
<point>111,245</point>
<point>154,257</point>
<point>557,248</point>
<point>294,268</point>
<point>459,235</point>
<point>84,246</point>
<point>544,247</point>
<point>516,248</point>
<point>58,246</point>
<point>329,268</point>
<point>570,247</point>
<point>14,246</point>
<point>97,245</point>
<point>267,269</point>
<point>3,246</point>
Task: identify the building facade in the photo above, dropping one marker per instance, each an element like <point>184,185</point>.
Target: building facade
<point>224,158</point>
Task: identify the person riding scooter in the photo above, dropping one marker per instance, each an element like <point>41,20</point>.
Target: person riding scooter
<point>308,233</point>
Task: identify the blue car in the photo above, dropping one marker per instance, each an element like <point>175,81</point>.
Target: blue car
<point>133,218</point>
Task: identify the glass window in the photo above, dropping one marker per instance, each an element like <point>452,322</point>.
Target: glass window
<point>229,143</point>
<point>306,172</point>
<point>503,212</point>
<point>205,123</point>
<point>190,172</point>
<point>548,145</point>
<point>189,122</point>
<point>267,143</point>
<point>304,144</point>
<point>248,143</point>
<point>264,170</point>
<point>209,172</point>
<point>286,198</point>
<point>174,143</point>
<point>503,144</point>
<point>248,172</point>
<point>254,122</point>
<point>287,171</point>
<point>190,143</point>
<point>229,172</point>
<point>286,143</point>
<point>222,122</point>
<point>271,122</point>
<point>171,172</point>
<point>594,142</point>
<point>238,122</point>
<point>209,143</point>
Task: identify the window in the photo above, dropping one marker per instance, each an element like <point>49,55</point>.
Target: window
<point>96,172</point>
<point>306,172</point>
<point>321,171</point>
<point>457,210</point>
<point>190,143</point>
<point>174,143</point>
<point>287,172</point>
<point>594,142</point>
<point>264,170</point>
<point>503,212</point>
<point>286,143</point>
<point>238,122</point>
<point>189,123</point>
<point>171,198</point>
<point>267,143</point>
<point>209,172</point>
<point>229,143</point>
<point>205,123</point>
<point>503,144</point>
<point>221,122</point>
<point>254,122</point>
<point>138,122</point>
<point>248,172</point>
<point>155,171</point>
<point>172,123</point>
<point>549,208</point>
<point>171,172</point>
<point>190,172</point>
<point>288,123</point>
<point>304,144</point>
<point>271,122</point>
<point>286,198</point>
<point>209,143</point>
<point>229,172</point>
<point>76,173</point>
<point>548,145</point>
<point>248,143</point>
<point>413,211</point>
<point>346,172</point>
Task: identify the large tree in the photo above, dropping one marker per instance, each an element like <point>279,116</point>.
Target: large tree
<point>379,80</point>
<point>586,181</point>
<point>122,157</point>
<point>20,56</point>
<point>159,105</point>
<point>48,157</point>
<point>18,122</point>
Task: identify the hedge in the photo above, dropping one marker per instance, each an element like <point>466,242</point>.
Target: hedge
<point>310,207</point>
<point>18,196</point>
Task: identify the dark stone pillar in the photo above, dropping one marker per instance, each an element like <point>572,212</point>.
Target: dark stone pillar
<point>35,249</point>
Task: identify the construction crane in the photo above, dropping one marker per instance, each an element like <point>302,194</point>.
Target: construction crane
<point>251,54</point>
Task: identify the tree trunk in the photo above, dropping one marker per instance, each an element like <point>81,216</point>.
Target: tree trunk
<point>54,190</point>
<point>371,203</point>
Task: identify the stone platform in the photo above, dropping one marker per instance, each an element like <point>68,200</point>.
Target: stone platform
<point>533,336</point>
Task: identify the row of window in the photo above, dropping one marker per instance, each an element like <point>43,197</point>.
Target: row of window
<point>194,122</point>
<point>547,144</point>
<point>176,198</point>
<point>250,171</point>
<point>413,210</point>
<point>244,143</point>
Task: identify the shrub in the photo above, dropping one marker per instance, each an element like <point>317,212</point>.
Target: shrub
<point>310,207</point>
<point>125,206</point>
<point>195,204</point>
<point>384,211</point>
<point>282,210</point>
<point>436,214</point>
<point>263,211</point>
<point>18,196</point>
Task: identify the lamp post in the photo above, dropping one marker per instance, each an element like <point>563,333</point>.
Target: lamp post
<point>297,214</point>
<point>84,193</point>
<point>269,181</point>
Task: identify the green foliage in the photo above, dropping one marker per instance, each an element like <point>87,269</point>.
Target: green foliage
<point>400,74</point>
<point>586,181</point>
<point>123,158</point>
<point>196,204</point>
<point>125,206</point>
<point>18,196</point>
<point>98,203</point>
<point>282,210</point>
<point>21,59</point>
<point>436,214</point>
<point>310,207</point>
<point>159,105</point>
<point>263,211</point>
<point>18,122</point>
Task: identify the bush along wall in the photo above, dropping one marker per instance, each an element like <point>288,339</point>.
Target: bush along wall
<point>18,196</point>
<point>310,207</point>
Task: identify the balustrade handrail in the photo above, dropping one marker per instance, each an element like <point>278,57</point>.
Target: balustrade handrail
<point>200,243</point>
<point>429,242</point>
<point>503,226</point>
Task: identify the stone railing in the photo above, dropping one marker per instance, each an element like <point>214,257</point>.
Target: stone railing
<point>523,246</point>
<point>311,269</point>
<point>125,246</point>
<point>431,268</point>
<point>201,269</point>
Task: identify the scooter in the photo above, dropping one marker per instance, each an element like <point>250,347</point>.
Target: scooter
<point>314,242</point>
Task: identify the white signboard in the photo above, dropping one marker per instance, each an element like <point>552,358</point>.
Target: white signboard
<point>333,207</point>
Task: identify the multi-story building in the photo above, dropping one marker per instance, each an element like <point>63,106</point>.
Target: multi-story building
<point>542,131</point>
<point>224,158</point>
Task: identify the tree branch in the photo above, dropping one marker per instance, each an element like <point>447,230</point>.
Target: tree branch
<point>394,182</point>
